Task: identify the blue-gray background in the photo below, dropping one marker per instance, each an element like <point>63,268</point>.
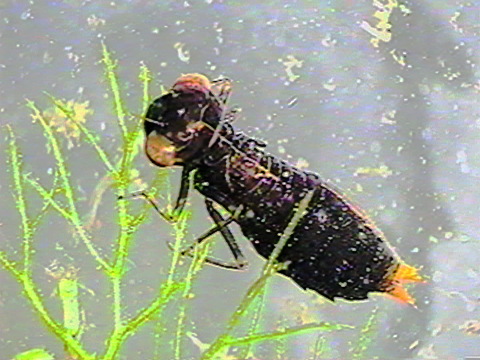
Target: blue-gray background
<point>411,105</point>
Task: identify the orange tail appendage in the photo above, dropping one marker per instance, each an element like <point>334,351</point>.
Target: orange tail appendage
<point>403,274</point>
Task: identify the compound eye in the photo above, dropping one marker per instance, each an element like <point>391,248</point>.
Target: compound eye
<point>156,111</point>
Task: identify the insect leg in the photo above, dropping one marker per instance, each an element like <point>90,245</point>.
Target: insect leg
<point>222,226</point>
<point>240,260</point>
<point>182,194</point>
<point>180,203</point>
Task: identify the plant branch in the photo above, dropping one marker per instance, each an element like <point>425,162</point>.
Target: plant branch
<point>286,332</point>
<point>10,265</point>
<point>145,77</point>
<point>27,231</point>
<point>113,81</point>
<point>75,222</point>
<point>299,213</point>
<point>120,335</point>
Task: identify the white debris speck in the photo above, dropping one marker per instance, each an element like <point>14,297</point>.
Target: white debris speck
<point>462,160</point>
<point>329,85</point>
<point>322,216</point>
<point>26,14</point>
<point>461,156</point>
<point>427,134</point>
<point>183,55</point>
<point>375,146</point>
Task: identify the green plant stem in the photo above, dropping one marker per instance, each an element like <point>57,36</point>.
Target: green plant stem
<point>127,223</point>
<point>319,348</point>
<point>198,259</point>
<point>179,235</point>
<point>221,341</point>
<point>145,77</point>
<point>366,337</point>
<point>118,273</point>
<point>129,138</point>
<point>243,354</point>
<point>27,231</point>
<point>300,212</point>
<point>179,228</point>
<point>286,332</point>
<point>113,81</point>
<point>46,204</point>
<point>122,180</point>
<point>269,269</point>
<point>117,303</point>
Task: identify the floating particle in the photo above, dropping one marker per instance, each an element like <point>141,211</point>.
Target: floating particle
<point>327,41</point>
<point>289,64</point>
<point>66,121</point>
<point>453,22</point>
<point>292,102</point>
<point>389,117</point>
<point>183,55</point>
<point>471,327</point>
<point>400,59</point>
<point>329,85</point>
<point>382,171</point>
<point>381,31</point>
<point>95,22</point>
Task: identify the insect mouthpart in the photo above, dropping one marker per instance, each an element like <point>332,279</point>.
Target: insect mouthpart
<point>161,150</point>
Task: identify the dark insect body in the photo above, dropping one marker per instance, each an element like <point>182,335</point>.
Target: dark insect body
<point>334,249</point>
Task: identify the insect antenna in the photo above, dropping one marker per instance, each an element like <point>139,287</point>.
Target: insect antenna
<point>144,118</point>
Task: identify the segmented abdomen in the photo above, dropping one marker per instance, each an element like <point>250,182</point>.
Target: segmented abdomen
<point>334,250</point>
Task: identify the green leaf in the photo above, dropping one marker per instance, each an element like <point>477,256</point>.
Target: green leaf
<point>34,354</point>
